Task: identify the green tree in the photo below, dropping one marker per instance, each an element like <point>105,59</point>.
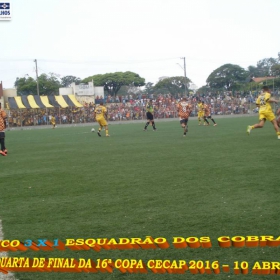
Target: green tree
<point>203,90</point>
<point>174,85</point>
<point>26,86</point>
<point>112,82</point>
<point>123,90</point>
<point>275,70</point>
<point>265,66</point>
<point>48,85</point>
<point>255,71</point>
<point>228,77</point>
<point>149,88</point>
<point>66,81</point>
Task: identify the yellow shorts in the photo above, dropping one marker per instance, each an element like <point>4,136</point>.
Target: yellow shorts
<point>266,115</point>
<point>102,122</point>
<point>200,114</point>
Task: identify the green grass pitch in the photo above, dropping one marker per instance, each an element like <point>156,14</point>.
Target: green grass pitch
<point>70,183</point>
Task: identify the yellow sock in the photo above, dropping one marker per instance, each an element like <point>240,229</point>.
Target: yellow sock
<point>107,132</point>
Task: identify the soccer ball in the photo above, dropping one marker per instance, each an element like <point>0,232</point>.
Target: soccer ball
<point>92,130</point>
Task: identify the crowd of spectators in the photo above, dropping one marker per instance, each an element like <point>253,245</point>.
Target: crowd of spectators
<point>132,107</point>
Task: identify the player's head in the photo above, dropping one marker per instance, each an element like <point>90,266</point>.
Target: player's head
<point>202,102</point>
<point>265,89</point>
<point>184,98</point>
<point>101,103</point>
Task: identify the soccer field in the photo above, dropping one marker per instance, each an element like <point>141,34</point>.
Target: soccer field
<point>68,183</point>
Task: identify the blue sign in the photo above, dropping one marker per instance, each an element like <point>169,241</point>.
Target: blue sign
<point>5,6</point>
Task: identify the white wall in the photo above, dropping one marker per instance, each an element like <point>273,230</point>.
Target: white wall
<point>9,92</point>
<point>99,91</point>
<point>84,92</point>
<point>66,91</point>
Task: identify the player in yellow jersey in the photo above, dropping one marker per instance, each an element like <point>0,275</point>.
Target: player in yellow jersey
<point>265,111</point>
<point>200,113</point>
<point>100,114</point>
<point>53,121</point>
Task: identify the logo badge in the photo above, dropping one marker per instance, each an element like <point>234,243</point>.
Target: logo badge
<point>5,11</point>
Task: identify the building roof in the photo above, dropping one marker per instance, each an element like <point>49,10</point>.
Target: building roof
<point>261,79</point>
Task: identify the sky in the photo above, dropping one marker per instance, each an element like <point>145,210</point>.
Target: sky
<point>149,37</point>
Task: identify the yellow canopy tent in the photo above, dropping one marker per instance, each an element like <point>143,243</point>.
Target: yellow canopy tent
<point>75,101</point>
<point>60,100</point>
<point>45,102</point>
<point>19,102</point>
<point>32,102</point>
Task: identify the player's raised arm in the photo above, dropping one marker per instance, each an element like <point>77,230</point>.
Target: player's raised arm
<point>272,100</point>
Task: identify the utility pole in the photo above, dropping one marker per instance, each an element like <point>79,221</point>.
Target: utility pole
<point>185,75</point>
<point>38,93</point>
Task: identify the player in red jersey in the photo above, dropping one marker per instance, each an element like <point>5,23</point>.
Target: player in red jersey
<point>207,113</point>
<point>184,109</point>
<point>3,118</point>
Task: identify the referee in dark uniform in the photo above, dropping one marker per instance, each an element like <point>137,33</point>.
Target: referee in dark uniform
<point>150,115</point>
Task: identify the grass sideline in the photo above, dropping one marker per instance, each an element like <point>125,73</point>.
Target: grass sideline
<point>69,183</point>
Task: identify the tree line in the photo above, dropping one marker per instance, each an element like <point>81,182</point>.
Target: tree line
<point>228,77</point>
